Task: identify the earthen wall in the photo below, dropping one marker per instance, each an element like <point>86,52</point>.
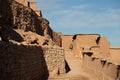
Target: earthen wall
<point>115,54</point>
<point>32,5</point>
<point>99,69</point>
<point>84,42</point>
<point>66,41</point>
<point>104,46</point>
<point>22,62</point>
<point>26,62</point>
<point>24,2</point>
<point>26,19</point>
<point>55,59</point>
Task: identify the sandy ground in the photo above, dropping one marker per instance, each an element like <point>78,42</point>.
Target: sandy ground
<point>75,72</point>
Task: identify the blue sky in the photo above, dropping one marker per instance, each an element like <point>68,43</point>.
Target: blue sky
<point>84,16</point>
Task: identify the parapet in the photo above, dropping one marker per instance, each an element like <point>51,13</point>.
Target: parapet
<point>31,4</point>
<point>115,47</point>
<point>24,2</point>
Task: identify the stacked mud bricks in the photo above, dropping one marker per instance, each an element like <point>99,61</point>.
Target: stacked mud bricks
<point>55,59</point>
<point>29,62</point>
<point>22,62</point>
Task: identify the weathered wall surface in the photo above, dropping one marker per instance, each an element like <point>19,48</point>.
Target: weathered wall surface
<point>26,19</point>
<point>5,12</point>
<point>84,42</point>
<point>104,46</point>
<point>30,62</point>
<point>66,41</point>
<point>55,60</point>
<point>87,39</point>
<point>57,38</point>
<point>115,54</point>
<point>22,62</point>
<point>17,16</point>
<point>24,2</point>
<point>99,69</point>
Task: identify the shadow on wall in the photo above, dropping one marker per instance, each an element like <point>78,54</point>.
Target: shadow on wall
<point>6,22</point>
<point>88,54</point>
<point>45,72</point>
<point>67,67</point>
<point>118,73</point>
<point>6,15</point>
<point>8,33</point>
<point>21,62</point>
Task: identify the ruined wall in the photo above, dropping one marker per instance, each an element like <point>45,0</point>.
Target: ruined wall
<point>26,19</point>
<point>55,60</point>
<point>84,41</point>
<point>24,2</point>
<point>115,54</point>
<point>32,4</point>
<point>66,41</point>
<point>16,16</point>
<point>22,62</point>
<point>30,62</point>
<point>99,69</point>
<point>87,39</point>
<point>57,38</point>
<point>104,46</point>
<point>6,16</point>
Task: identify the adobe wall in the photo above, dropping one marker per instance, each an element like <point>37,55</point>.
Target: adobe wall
<point>38,12</point>
<point>22,62</point>
<point>104,46</point>
<point>99,69</point>
<point>56,38</point>
<point>115,54</point>
<point>30,62</point>
<point>26,19</point>
<point>55,59</point>
<point>87,39</point>
<point>32,4</point>
<point>66,41</point>
<point>84,41</point>
<point>24,2</point>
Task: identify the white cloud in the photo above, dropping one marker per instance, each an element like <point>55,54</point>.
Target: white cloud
<point>82,18</point>
<point>79,15</point>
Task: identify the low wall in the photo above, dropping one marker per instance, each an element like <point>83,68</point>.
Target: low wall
<point>22,62</point>
<point>115,54</point>
<point>55,60</point>
<point>99,69</point>
<point>30,62</point>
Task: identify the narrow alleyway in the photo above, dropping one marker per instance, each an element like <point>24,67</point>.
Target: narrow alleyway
<point>75,72</point>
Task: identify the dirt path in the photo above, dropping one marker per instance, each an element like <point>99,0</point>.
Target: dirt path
<point>75,72</point>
